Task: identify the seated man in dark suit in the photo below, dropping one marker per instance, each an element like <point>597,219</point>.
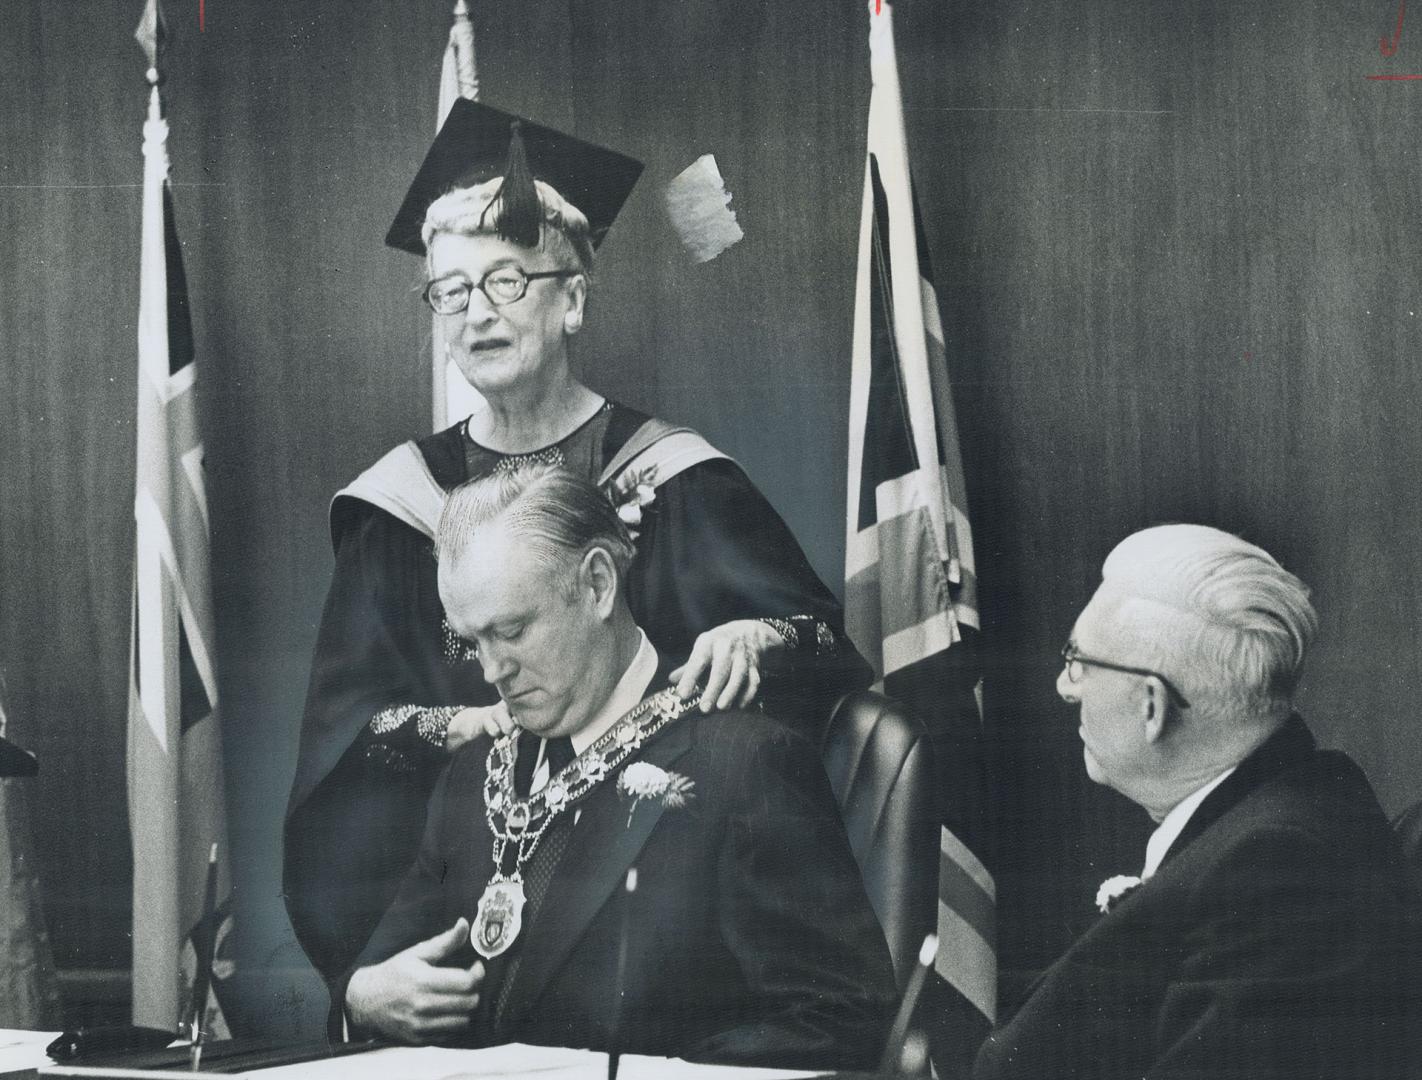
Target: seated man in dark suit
<point>748,937</point>
<point>1266,935</point>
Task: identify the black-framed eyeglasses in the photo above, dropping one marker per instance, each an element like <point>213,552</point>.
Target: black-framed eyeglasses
<point>1076,664</point>
<point>502,285</point>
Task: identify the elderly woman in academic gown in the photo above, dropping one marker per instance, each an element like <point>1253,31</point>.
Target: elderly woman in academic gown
<point>507,214</point>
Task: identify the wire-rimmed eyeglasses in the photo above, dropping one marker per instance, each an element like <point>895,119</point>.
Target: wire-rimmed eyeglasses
<point>1076,664</point>
<point>449,295</point>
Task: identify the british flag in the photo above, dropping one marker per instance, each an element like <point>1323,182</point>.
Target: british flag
<point>910,586</point>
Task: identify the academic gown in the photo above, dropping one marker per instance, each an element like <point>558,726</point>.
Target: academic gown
<point>710,549</point>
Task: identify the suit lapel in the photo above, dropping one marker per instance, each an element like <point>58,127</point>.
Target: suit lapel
<point>593,867</point>
<point>1291,743</point>
<point>468,841</point>
<point>484,849</point>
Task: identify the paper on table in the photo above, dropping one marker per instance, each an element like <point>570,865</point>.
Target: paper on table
<point>440,1063</point>
<point>633,1067</point>
<point>513,1060</point>
<point>24,1049</point>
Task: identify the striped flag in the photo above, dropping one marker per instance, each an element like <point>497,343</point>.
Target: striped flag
<point>29,988</point>
<point>910,603</point>
<point>454,398</point>
<point>175,782</point>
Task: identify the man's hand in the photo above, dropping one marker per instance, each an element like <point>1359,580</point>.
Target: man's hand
<point>477,720</point>
<point>409,998</point>
<point>731,656</point>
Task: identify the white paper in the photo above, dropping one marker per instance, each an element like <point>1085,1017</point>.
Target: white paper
<point>698,205</point>
<point>24,1049</point>
<point>440,1063</point>
<point>633,1067</point>
<point>513,1060</point>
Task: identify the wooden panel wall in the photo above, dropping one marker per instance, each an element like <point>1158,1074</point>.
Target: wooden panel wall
<point>1178,254</point>
<point>1179,263</point>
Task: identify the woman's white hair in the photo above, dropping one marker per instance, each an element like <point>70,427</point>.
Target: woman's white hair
<point>469,211</point>
<point>1252,619</point>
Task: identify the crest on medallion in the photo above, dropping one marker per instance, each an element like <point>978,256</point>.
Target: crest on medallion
<point>498,919</point>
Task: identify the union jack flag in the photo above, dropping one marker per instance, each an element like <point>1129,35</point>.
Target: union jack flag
<point>177,806</point>
<point>910,586</point>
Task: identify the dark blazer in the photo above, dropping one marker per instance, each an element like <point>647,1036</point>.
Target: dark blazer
<point>751,939</point>
<point>1272,942</point>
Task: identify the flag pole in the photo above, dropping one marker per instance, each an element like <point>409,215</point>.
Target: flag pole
<point>176,800</point>
<point>452,397</point>
<point>155,993</point>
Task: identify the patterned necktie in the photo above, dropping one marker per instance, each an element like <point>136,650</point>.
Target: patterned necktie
<point>558,753</point>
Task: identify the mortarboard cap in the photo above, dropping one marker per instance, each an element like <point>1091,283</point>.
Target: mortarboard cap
<point>478,142</point>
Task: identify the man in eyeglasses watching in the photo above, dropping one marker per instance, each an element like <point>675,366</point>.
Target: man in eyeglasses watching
<point>1266,933</point>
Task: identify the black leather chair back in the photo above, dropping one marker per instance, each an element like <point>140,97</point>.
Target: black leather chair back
<point>880,766</point>
<point>1409,835</point>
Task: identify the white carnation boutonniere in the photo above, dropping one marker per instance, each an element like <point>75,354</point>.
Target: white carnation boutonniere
<point>1115,889</point>
<point>631,493</point>
<point>643,780</point>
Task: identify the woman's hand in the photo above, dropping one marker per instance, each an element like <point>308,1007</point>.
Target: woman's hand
<point>731,657</point>
<point>477,720</point>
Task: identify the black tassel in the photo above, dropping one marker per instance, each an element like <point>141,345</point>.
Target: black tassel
<point>520,212</point>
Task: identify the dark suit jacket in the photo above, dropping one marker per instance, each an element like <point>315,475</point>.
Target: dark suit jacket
<point>751,938</point>
<point>1271,943</point>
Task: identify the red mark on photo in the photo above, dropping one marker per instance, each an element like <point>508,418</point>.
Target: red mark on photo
<point>202,16</point>
<point>1389,48</point>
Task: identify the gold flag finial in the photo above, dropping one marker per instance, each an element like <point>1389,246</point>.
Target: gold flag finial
<point>152,37</point>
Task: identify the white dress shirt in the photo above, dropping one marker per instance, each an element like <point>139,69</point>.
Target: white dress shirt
<point>1169,830</point>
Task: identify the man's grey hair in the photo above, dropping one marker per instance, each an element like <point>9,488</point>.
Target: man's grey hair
<point>1251,620</point>
<point>561,515</point>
